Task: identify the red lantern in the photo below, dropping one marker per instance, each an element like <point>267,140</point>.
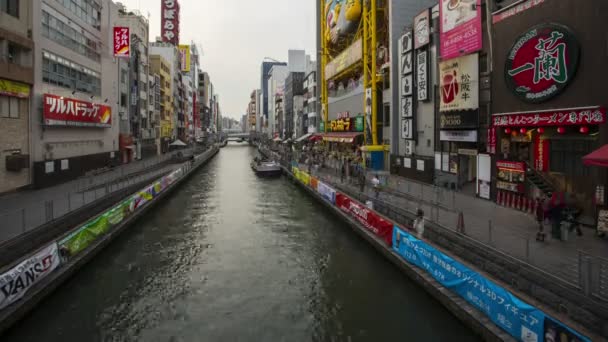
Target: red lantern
<point>541,130</point>
<point>523,130</point>
<point>584,129</point>
<point>514,133</point>
<point>507,131</point>
<point>561,130</point>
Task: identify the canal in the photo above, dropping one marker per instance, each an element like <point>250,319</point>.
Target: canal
<point>231,257</point>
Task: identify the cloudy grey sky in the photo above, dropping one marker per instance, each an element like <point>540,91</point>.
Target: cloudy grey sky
<point>235,36</point>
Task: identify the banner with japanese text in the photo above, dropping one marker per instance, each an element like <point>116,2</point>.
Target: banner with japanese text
<point>367,217</point>
<point>459,83</point>
<point>122,42</point>
<point>327,192</point>
<point>522,321</point>
<point>15,282</point>
<point>63,111</point>
<point>169,23</point>
<point>314,183</point>
<point>460,27</point>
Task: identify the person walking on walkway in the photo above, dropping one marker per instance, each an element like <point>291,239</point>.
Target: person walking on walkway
<point>419,223</point>
<point>540,218</point>
<point>362,181</point>
<point>376,184</point>
<point>342,173</point>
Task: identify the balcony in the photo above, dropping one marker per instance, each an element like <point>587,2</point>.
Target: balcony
<point>16,72</point>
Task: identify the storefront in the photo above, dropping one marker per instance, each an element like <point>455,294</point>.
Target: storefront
<point>549,102</point>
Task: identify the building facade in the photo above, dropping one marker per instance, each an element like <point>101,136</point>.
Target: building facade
<point>266,104</point>
<point>276,86</point>
<point>162,68</point>
<point>16,81</point>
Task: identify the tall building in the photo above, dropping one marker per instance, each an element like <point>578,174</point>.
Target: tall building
<point>74,127</point>
<point>265,107</point>
<point>311,121</point>
<point>137,127</point>
<point>16,81</point>
<point>252,109</point>
<point>162,68</point>
<point>293,102</point>
<point>171,54</point>
<point>276,85</point>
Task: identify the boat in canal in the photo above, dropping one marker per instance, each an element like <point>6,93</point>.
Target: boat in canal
<point>266,168</point>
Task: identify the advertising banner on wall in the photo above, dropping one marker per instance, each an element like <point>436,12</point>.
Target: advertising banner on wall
<point>521,320</point>
<point>460,27</point>
<point>422,29</point>
<point>346,58</point>
<point>184,57</point>
<point>556,117</point>
<point>169,24</point>
<point>514,9</point>
<point>422,75</point>
<point>369,219</point>
<point>15,282</point>
<point>541,154</point>
<point>459,83</point>
<point>16,89</point>
<point>327,192</point>
<point>122,41</point>
<point>62,111</point>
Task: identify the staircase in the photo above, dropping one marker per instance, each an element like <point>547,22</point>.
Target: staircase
<point>539,180</point>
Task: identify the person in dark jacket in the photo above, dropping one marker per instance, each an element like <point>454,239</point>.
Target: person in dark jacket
<point>540,218</point>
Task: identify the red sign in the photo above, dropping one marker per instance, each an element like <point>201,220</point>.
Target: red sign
<point>460,27</point>
<point>491,147</point>
<point>169,21</point>
<point>369,219</point>
<point>558,117</point>
<point>541,63</point>
<point>509,165</point>
<point>60,111</point>
<point>541,154</point>
<point>122,42</point>
<point>515,9</point>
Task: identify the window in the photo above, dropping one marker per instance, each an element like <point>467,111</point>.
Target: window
<point>566,156</point>
<point>56,30</point>
<point>9,107</point>
<point>123,76</point>
<point>123,100</point>
<point>86,10</point>
<point>386,115</point>
<point>11,7</point>
<point>63,73</point>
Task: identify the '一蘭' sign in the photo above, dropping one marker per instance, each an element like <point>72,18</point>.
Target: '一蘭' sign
<point>542,62</point>
<point>61,111</point>
<point>122,42</point>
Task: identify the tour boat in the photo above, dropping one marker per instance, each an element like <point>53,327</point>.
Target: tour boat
<point>265,168</point>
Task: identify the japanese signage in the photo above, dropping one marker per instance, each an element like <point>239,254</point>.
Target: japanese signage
<point>462,136</point>
<point>359,123</point>
<point>422,75</point>
<point>542,62</point>
<point>407,129</point>
<point>184,57</point>
<point>422,29</point>
<point>327,192</point>
<point>460,27</point>
<point>541,154</point>
<point>458,120</point>
<point>515,9</point>
<point>521,320</point>
<point>169,24</point>
<point>509,165</point>
<point>407,107</point>
<point>366,217</point>
<point>122,42</point>
<point>459,83</point>
<point>15,282</point>
<point>491,145</point>
<point>558,117</point>
<point>348,57</point>
<point>60,111</point>
<point>16,89</point>
<point>406,68</point>
<point>347,124</point>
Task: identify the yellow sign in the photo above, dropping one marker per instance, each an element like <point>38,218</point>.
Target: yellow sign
<point>348,57</point>
<point>340,125</point>
<point>11,88</point>
<point>184,57</point>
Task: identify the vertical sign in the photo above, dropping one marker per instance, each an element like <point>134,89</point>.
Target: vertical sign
<point>122,42</point>
<point>422,75</point>
<point>422,29</point>
<point>460,27</point>
<point>459,83</point>
<point>541,154</point>
<point>184,57</point>
<point>407,89</point>
<point>170,21</point>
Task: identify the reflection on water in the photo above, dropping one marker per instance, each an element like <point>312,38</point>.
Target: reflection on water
<point>231,257</point>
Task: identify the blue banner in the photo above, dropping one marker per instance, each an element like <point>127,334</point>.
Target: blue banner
<point>327,192</point>
<point>521,320</point>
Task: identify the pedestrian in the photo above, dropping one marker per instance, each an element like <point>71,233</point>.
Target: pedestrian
<point>419,223</point>
<point>540,218</point>
<point>362,181</point>
<point>342,173</point>
<point>376,184</point>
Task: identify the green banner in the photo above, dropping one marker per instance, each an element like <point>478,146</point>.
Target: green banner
<point>87,234</point>
<point>359,123</point>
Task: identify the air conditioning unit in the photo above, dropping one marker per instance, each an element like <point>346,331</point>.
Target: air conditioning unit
<point>17,162</point>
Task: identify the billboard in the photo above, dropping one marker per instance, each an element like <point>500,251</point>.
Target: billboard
<point>61,111</point>
<point>422,29</point>
<point>169,23</point>
<point>460,27</point>
<point>184,58</point>
<point>348,57</point>
<point>122,42</point>
<point>459,83</point>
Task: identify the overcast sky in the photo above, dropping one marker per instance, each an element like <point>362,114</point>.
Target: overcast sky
<point>235,36</point>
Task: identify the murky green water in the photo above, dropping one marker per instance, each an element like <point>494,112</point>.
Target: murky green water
<point>231,257</point>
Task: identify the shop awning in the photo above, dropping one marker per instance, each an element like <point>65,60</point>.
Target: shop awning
<point>598,157</point>
<point>178,143</point>
<point>316,137</point>
<point>277,139</point>
<point>304,137</point>
<point>347,137</point>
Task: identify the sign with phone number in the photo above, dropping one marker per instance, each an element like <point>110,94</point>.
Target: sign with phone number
<point>521,320</point>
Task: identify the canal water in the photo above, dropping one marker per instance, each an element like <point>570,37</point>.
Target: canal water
<point>231,257</point>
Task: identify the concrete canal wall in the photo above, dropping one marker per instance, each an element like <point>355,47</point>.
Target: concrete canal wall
<point>487,306</point>
<point>26,282</point>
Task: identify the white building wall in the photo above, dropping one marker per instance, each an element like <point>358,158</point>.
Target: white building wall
<point>276,82</point>
<point>296,60</point>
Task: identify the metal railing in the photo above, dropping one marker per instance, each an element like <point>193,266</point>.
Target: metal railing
<point>73,195</point>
